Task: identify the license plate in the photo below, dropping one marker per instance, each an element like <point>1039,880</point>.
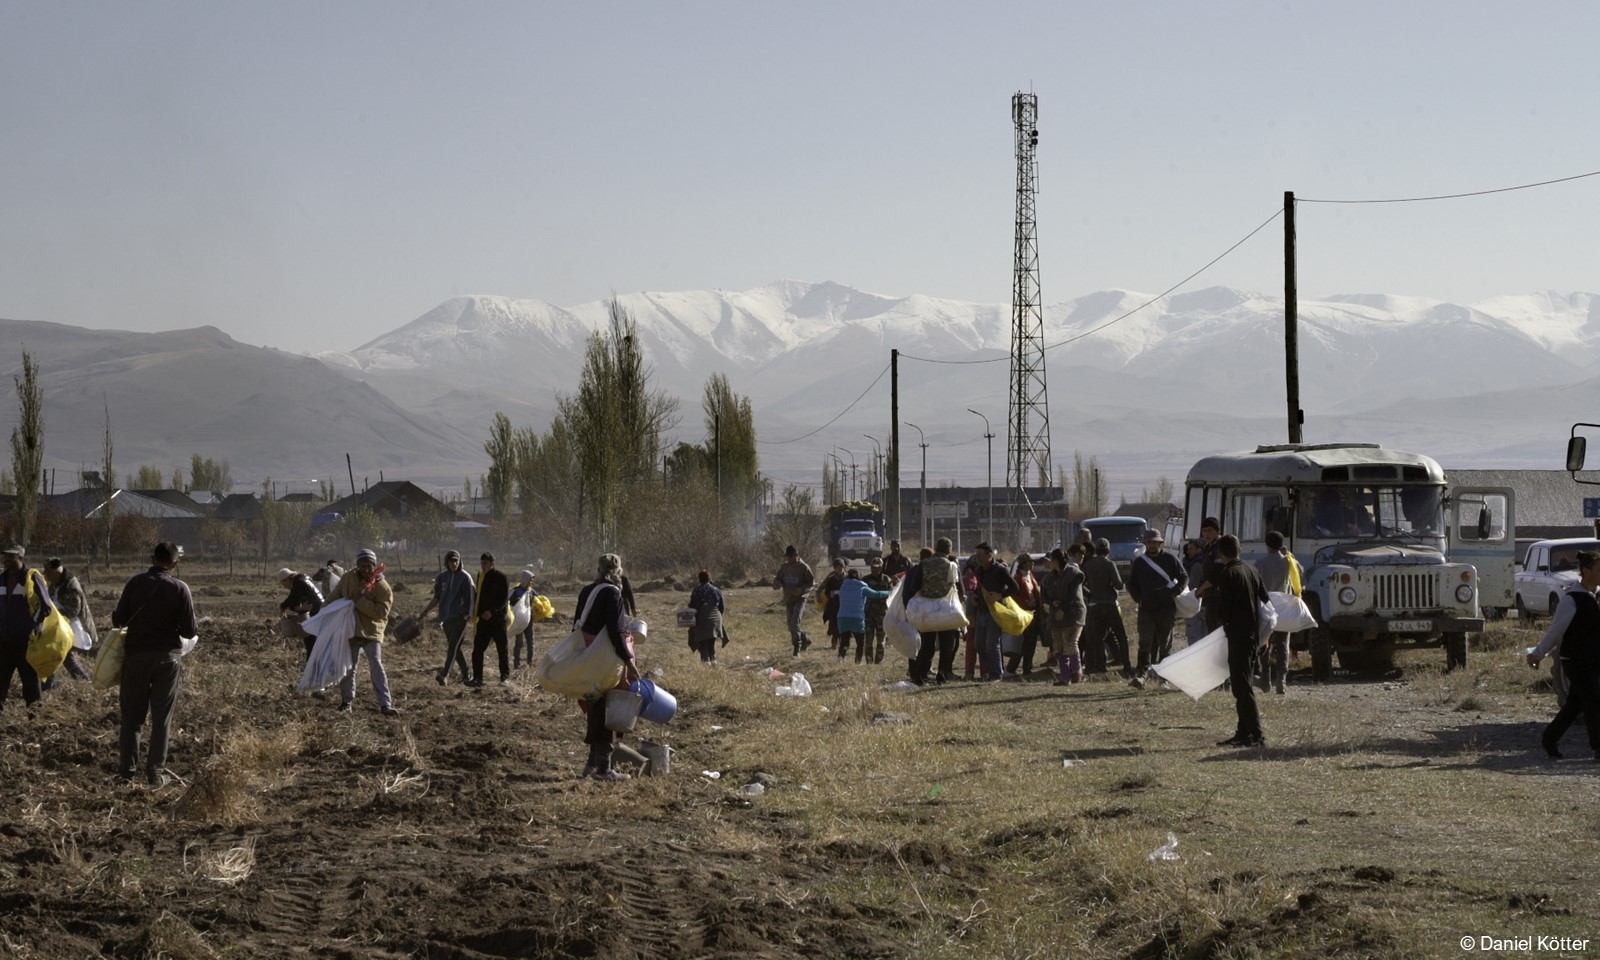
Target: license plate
<point>1409,626</point>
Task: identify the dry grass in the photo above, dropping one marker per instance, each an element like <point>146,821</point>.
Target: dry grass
<point>229,785</point>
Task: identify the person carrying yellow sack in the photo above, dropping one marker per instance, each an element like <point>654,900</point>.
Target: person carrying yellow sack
<point>26,603</point>
<point>490,616</point>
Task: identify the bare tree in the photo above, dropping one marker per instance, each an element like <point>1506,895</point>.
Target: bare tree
<point>27,447</point>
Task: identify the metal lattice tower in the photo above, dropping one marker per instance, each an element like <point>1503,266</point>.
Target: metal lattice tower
<point>1029,441</point>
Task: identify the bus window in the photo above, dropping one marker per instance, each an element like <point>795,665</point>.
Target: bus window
<point>1254,514</point>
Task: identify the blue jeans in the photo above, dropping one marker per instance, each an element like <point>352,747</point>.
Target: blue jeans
<point>380,679</point>
<point>986,638</point>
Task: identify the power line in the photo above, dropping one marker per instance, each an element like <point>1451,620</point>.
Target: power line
<point>1060,343</point>
<point>874,383</point>
<point>1457,196</point>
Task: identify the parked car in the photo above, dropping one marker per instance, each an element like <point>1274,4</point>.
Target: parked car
<point>1550,565</point>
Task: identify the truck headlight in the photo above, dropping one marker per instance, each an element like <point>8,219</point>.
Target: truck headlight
<point>1347,596</point>
<point>1464,593</point>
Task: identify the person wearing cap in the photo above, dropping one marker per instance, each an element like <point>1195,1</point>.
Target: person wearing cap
<point>895,564</point>
<point>26,602</point>
<point>1210,571</point>
<point>794,578</point>
<point>373,598</point>
<point>1102,584</point>
<point>525,638</point>
<point>1154,582</point>
<point>453,594</point>
<point>302,603</point>
<point>489,625</point>
<point>878,578</point>
<point>605,615</point>
<point>158,611</point>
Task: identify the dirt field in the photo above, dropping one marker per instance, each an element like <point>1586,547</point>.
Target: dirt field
<point>1389,817</point>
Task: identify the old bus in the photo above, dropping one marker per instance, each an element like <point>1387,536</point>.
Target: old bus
<point>1393,556</point>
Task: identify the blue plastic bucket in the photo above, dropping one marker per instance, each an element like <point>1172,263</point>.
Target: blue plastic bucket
<point>659,705</point>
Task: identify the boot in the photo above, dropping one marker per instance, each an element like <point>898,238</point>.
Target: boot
<point>1064,675</point>
<point>1075,668</point>
<point>1277,679</point>
<point>878,656</point>
<point>859,654</point>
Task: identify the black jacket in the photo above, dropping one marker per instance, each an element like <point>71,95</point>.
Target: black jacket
<point>494,593</point>
<point>1148,588</point>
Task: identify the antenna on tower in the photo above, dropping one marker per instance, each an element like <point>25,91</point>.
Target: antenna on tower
<point>1029,441</point>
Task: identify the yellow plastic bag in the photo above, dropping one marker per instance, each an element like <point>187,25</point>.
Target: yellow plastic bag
<point>572,669</point>
<point>108,662</point>
<point>1295,584</point>
<point>543,609</point>
<point>1011,617</point>
<point>48,648</point>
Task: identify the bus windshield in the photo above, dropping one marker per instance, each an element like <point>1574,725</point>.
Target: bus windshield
<point>1118,531</point>
<point>1385,511</point>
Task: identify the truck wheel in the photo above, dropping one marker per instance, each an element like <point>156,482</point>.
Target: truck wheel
<point>1321,655</point>
<point>1455,651</point>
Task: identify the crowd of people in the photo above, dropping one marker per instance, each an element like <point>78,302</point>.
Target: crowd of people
<point>1072,606</point>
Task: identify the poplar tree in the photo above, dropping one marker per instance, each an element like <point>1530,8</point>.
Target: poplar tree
<point>27,447</point>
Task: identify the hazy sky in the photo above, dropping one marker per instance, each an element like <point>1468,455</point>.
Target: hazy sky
<point>312,175</point>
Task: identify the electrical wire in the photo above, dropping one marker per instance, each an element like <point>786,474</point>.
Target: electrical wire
<point>874,383</point>
<point>1457,196</point>
<point>1060,343</point>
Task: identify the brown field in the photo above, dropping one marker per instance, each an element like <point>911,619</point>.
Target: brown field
<point>1388,818</point>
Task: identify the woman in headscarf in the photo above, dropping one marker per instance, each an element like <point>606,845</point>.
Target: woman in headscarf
<point>607,615</point>
<point>706,602</point>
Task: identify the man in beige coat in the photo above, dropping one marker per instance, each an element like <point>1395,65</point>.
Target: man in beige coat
<point>373,597</point>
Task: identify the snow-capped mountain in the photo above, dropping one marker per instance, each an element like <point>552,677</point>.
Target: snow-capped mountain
<point>1146,388</point>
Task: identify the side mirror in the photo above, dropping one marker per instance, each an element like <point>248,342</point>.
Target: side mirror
<point>1575,452</point>
<point>1484,527</point>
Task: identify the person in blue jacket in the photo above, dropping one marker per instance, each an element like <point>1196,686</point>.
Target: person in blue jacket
<point>852,617</point>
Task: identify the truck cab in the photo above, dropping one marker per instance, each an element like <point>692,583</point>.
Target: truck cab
<point>855,530</point>
<point>1126,535</point>
<point>1393,557</point>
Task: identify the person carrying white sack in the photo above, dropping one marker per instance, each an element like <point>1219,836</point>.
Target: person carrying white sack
<point>1274,569</point>
<point>608,615</point>
<point>373,598</point>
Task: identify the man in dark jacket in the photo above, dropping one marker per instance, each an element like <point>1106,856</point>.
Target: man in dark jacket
<point>303,602</point>
<point>494,601</point>
<point>25,604</point>
<point>1102,582</point>
<point>1574,631</point>
<point>1155,579</point>
<point>1239,598</point>
<point>941,642</point>
<point>455,596</point>
<point>158,611</point>
<point>994,585</point>
<point>895,564</point>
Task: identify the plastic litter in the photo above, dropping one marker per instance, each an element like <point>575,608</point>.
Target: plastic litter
<point>798,686</point>
<point>752,790</point>
<point>1168,850</point>
<point>711,774</point>
<point>776,674</point>
<point>902,686</point>
<point>1074,762</point>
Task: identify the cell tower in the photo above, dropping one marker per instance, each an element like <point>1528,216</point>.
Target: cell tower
<point>1029,446</point>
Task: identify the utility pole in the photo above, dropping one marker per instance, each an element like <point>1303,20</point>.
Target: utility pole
<point>922,516</point>
<point>894,437</point>
<point>988,436</point>
<point>1291,321</point>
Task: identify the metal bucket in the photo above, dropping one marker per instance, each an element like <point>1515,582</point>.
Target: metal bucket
<point>660,757</point>
<point>622,710</point>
